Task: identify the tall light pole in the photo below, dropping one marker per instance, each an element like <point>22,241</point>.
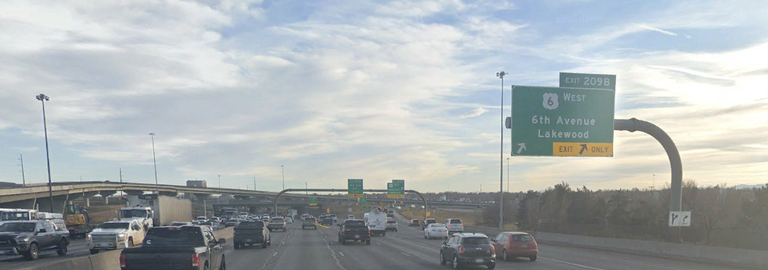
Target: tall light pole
<point>154,161</point>
<point>501,74</point>
<point>306,187</point>
<point>507,175</point>
<point>43,98</point>
<point>282,172</point>
<point>23,177</point>
<point>219,180</point>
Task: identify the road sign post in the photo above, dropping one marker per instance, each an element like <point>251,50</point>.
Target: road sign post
<point>554,121</point>
<point>355,188</point>
<point>312,201</point>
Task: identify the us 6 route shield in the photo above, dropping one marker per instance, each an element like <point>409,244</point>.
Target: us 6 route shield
<point>554,121</point>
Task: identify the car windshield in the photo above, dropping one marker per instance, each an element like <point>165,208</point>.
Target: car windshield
<point>474,240</point>
<point>251,225</point>
<point>115,225</point>
<point>277,220</point>
<point>174,236</point>
<point>454,221</point>
<point>179,224</point>
<point>17,227</point>
<point>522,238</point>
<point>391,221</point>
<point>437,225</point>
<point>354,223</point>
<point>134,213</point>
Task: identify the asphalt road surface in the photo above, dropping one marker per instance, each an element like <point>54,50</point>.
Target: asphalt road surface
<point>407,249</point>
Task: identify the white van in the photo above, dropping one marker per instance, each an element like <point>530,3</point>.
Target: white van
<point>377,222</point>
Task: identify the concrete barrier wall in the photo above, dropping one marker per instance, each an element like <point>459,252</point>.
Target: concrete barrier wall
<point>719,255</point>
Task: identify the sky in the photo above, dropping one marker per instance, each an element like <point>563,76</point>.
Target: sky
<point>377,90</point>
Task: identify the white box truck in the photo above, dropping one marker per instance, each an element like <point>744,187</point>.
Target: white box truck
<point>155,210</point>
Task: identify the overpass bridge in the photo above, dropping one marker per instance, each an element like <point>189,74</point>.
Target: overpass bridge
<point>31,195</point>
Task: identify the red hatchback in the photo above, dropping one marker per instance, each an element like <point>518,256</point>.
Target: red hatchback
<point>515,244</point>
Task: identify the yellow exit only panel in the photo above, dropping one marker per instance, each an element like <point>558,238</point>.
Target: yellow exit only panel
<point>582,149</point>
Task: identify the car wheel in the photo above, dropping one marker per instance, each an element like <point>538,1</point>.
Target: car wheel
<point>368,242</point>
<point>223,265</point>
<point>504,256</point>
<point>442,259</point>
<point>130,242</point>
<point>62,248</point>
<point>264,245</point>
<point>384,234</point>
<point>206,267</point>
<point>491,266</point>
<point>237,245</point>
<point>94,251</point>
<point>532,258</point>
<point>33,252</point>
<point>455,263</point>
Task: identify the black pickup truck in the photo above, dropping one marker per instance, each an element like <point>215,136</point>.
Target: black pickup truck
<point>186,247</point>
<point>355,230</point>
<point>28,238</point>
<point>252,233</point>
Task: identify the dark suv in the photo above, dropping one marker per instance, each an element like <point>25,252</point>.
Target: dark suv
<point>354,230</point>
<point>28,238</point>
<point>468,249</point>
<point>309,223</point>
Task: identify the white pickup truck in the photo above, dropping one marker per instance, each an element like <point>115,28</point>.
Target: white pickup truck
<point>454,225</point>
<point>115,235</point>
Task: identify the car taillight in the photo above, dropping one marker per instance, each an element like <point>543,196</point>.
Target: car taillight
<point>196,260</point>
<point>122,261</point>
<point>461,250</point>
<point>493,250</point>
<point>449,224</point>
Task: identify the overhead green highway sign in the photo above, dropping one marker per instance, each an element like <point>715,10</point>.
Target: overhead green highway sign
<point>355,188</point>
<point>396,189</point>
<point>554,121</point>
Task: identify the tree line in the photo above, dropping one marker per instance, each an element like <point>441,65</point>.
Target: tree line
<point>720,215</point>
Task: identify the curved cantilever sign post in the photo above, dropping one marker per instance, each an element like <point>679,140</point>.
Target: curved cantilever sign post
<point>426,208</point>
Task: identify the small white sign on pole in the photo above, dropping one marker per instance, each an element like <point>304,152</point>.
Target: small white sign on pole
<point>680,218</point>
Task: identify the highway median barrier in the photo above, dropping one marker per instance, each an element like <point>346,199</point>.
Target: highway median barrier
<point>71,264</point>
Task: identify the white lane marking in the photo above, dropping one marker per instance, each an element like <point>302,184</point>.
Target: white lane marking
<point>405,254</point>
<point>342,254</point>
<point>572,264</point>
<point>277,249</point>
<point>333,254</point>
<point>378,243</point>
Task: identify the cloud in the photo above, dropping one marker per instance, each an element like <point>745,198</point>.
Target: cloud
<point>644,26</point>
<point>364,90</point>
<point>473,113</point>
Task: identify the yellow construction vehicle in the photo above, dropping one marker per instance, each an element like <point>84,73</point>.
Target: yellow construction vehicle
<point>77,219</point>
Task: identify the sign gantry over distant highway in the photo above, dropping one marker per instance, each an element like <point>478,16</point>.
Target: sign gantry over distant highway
<point>562,121</point>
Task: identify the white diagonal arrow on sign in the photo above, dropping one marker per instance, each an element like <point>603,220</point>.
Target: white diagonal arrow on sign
<point>522,147</point>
